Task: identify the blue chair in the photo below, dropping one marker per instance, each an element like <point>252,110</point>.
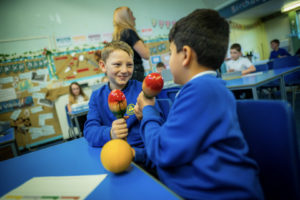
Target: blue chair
<point>269,129</point>
<point>71,127</point>
<point>262,67</point>
<point>289,61</point>
<point>169,93</point>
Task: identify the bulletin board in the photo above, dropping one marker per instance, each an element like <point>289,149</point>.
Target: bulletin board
<point>23,101</point>
<point>75,64</point>
<point>159,52</point>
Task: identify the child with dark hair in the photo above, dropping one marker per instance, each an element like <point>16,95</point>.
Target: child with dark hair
<point>277,52</point>
<point>160,67</point>
<point>237,62</point>
<point>200,151</point>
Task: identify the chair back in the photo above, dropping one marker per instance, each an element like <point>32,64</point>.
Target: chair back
<point>262,67</point>
<point>68,117</point>
<point>269,129</point>
<point>290,61</point>
<point>169,93</point>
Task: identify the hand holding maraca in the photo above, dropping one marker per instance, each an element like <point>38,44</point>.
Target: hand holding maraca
<point>152,85</point>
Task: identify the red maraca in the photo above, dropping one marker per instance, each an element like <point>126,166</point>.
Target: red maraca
<point>152,85</point>
<point>117,103</point>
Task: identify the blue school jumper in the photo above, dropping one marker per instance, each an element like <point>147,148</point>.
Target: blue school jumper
<point>200,151</point>
<point>99,119</point>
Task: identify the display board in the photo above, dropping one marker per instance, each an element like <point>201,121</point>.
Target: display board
<point>159,52</point>
<point>23,101</point>
<point>75,64</point>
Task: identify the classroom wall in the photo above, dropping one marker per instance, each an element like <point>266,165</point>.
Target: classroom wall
<point>279,28</point>
<point>34,24</point>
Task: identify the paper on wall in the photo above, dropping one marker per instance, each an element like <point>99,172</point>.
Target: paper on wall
<point>42,71</point>
<point>26,75</point>
<point>38,95</point>
<point>36,109</point>
<point>5,80</point>
<point>34,89</point>
<point>15,114</point>
<point>48,130</point>
<point>44,117</point>
<point>7,94</point>
<point>35,132</point>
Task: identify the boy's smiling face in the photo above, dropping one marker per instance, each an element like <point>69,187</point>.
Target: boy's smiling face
<point>119,68</point>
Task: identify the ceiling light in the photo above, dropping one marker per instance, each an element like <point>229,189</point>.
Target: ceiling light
<point>290,6</point>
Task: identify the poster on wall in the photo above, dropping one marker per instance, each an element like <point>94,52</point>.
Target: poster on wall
<point>94,38</point>
<point>63,42</point>
<point>7,94</point>
<point>11,105</point>
<point>79,40</point>
<point>107,37</point>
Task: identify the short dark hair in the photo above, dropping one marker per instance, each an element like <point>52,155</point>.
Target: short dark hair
<point>160,64</point>
<point>236,46</point>
<point>206,32</point>
<point>276,41</point>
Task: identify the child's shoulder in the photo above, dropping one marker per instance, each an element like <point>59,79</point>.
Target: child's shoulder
<point>208,84</point>
<point>101,91</point>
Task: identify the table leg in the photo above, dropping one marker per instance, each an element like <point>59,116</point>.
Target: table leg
<point>14,148</point>
<point>77,125</point>
<point>282,88</point>
<point>254,93</point>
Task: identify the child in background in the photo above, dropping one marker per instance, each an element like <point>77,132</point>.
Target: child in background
<point>200,151</point>
<point>277,52</point>
<point>101,125</point>
<point>237,62</point>
<point>160,67</point>
<point>77,96</point>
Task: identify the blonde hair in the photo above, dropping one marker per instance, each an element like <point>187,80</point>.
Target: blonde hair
<point>122,21</point>
<point>72,98</point>
<point>115,45</point>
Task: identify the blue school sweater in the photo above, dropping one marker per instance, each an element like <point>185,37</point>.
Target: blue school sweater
<point>200,152</point>
<point>99,119</point>
<point>281,52</point>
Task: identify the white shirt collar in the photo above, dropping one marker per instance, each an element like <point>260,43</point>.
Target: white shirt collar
<point>211,72</point>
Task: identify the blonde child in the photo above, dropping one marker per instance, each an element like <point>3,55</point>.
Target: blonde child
<point>101,125</point>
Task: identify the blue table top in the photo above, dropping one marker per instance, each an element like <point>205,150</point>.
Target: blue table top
<point>9,135</point>
<point>78,158</point>
<point>259,78</point>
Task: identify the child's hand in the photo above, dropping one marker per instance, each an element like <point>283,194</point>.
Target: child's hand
<point>143,101</point>
<point>119,129</point>
<point>138,113</point>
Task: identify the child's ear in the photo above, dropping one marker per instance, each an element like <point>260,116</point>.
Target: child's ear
<point>102,65</point>
<point>187,53</point>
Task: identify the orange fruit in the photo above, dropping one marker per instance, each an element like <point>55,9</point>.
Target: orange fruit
<point>116,155</point>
